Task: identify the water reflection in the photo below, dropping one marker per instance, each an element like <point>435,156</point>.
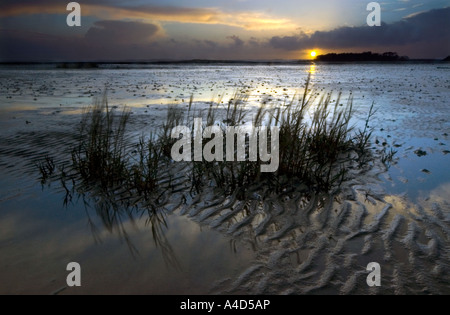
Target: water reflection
<point>301,247</point>
<point>298,235</point>
<point>38,239</point>
<point>117,212</point>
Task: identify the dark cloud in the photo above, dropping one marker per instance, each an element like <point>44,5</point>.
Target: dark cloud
<point>290,42</point>
<point>237,42</point>
<point>116,10</point>
<point>254,42</point>
<point>424,35</point>
<point>211,44</point>
<point>32,46</point>
<point>10,4</point>
<point>121,33</point>
<point>428,27</point>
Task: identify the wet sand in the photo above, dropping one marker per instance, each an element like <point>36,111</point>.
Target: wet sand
<point>292,243</point>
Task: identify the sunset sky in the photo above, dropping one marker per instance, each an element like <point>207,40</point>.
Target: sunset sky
<point>133,30</point>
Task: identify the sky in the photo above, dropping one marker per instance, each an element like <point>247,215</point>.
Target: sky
<point>145,30</point>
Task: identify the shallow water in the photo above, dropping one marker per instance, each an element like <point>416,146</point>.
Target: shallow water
<point>318,252</point>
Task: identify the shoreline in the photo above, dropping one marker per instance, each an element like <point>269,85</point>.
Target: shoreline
<point>91,65</point>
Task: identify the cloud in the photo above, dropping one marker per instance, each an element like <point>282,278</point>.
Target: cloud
<point>237,42</point>
<point>420,28</point>
<point>296,42</point>
<point>102,46</point>
<point>211,44</point>
<point>32,46</point>
<point>110,10</point>
<point>421,36</point>
<point>120,32</point>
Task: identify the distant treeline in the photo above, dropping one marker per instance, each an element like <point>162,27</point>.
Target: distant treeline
<point>77,65</point>
<point>365,56</point>
<point>333,57</point>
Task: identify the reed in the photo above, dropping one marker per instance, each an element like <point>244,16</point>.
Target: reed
<point>100,156</point>
<point>316,140</point>
<point>317,144</point>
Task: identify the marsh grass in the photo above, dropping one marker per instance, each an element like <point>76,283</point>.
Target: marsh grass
<point>388,157</point>
<point>317,143</point>
<point>175,117</point>
<point>362,139</point>
<point>104,170</point>
<point>101,154</point>
<point>114,178</point>
<point>313,151</point>
<point>227,175</point>
<point>317,146</point>
<point>46,168</point>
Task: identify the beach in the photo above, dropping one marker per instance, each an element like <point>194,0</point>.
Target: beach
<point>289,242</point>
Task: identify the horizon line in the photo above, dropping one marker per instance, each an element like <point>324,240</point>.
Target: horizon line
<point>174,61</point>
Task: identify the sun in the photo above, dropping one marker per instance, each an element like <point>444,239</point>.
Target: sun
<point>313,53</point>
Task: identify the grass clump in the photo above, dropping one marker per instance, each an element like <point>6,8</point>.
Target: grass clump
<point>112,176</point>
<point>313,151</point>
<point>107,166</point>
<point>317,144</point>
<point>317,147</point>
<point>101,154</point>
<point>227,175</point>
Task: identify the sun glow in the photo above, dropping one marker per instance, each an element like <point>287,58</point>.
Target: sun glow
<point>313,53</point>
